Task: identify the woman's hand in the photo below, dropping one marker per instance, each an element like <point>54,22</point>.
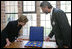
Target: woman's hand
<point>7,42</point>
<point>19,40</point>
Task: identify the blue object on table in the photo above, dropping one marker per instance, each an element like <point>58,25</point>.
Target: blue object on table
<point>34,44</point>
<point>36,37</point>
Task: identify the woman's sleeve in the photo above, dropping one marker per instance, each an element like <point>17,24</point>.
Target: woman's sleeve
<point>5,30</point>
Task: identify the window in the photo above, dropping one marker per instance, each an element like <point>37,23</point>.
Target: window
<point>11,6</point>
<point>29,6</point>
<point>29,9</point>
<point>32,22</point>
<point>66,7</point>
<point>45,22</point>
<point>69,17</point>
<point>11,10</point>
<point>11,17</point>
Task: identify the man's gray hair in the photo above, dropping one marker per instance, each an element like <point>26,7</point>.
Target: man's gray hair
<point>46,3</point>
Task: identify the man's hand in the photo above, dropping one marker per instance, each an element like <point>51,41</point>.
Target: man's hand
<point>47,39</point>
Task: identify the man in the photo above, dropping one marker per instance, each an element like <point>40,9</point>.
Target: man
<point>10,32</point>
<point>60,26</point>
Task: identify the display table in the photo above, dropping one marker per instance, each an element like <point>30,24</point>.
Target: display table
<point>22,44</point>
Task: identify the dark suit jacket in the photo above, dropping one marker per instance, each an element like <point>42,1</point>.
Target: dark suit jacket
<point>60,27</point>
<point>10,31</point>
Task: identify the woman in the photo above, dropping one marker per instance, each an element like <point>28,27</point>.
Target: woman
<point>10,32</point>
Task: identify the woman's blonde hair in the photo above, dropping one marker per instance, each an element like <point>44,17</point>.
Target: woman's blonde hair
<point>23,19</point>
